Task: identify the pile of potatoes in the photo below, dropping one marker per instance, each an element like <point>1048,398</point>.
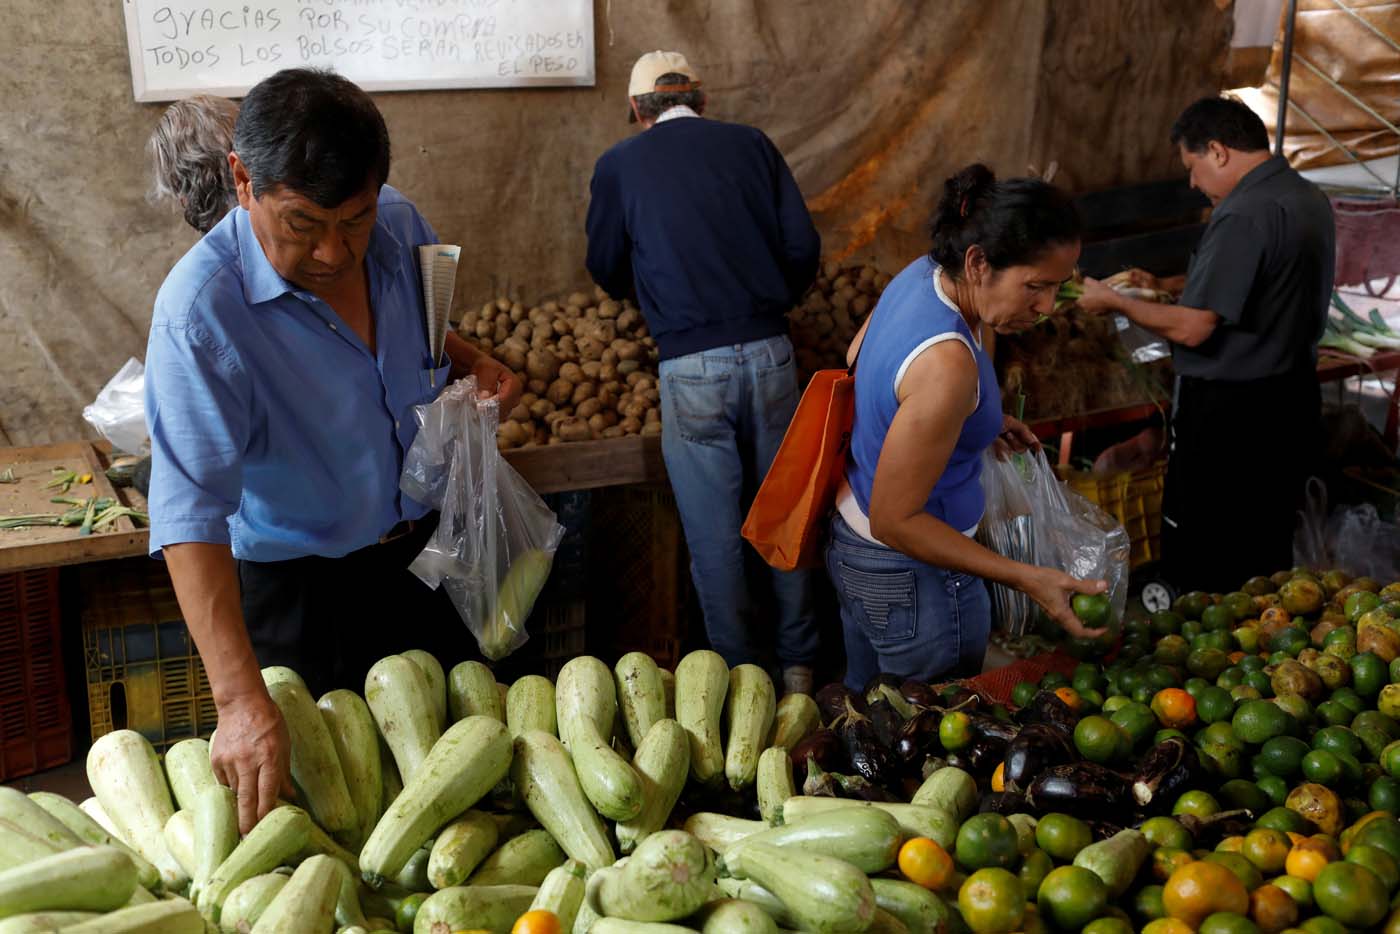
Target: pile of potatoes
<point>588,365</point>
<point>832,312</point>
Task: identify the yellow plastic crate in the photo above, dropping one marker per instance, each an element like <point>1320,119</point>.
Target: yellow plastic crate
<point>143,670</point>
<point>1134,499</point>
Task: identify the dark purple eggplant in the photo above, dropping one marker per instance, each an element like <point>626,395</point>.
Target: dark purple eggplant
<point>984,754</point>
<point>831,701</point>
<point>823,746</point>
<point>919,694</point>
<point>1045,707</point>
<point>1082,789</point>
<point>990,726</point>
<point>854,786</point>
<point>869,757</point>
<point>1166,770</point>
<point>886,720</point>
<point>896,700</point>
<point>1036,747</point>
<point>1002,802</point>
<point>917,738</point>
<point>960,698</point>
<point>959,760</point>
<point>819,783</point>
<point>871,692</point>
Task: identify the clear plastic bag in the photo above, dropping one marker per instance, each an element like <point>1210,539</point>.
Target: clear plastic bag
<point>1354,539</point>
<point>1008,528</point>
<point>495,541</point>
<point>119,411</point>
<point>1034,518</point>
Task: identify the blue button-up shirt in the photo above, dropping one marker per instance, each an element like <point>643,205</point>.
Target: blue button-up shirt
<point>273,427</point>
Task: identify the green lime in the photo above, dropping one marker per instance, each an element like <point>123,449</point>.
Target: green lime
<point>408,910</point>
<point>1115,702</point>
<point>1394,670</point>
<point>1258,721</point>
<point>1224,922</point>
<point>1275,788</point>
<point>1165,623</point>
<point>1240,603</point>
<point>1035,866</point>
<point>1296,707</point>
<point>1378,861</point>
<point>1144,694</point>
<point>1214,704</point>
<point>1350,699</point>
<point>1062,836</point>
<point>1218,618</point>
<point>1359,604</point>
<point>1191,629</point>
<point>1321,924</point>
<point>1052,680</point>
<point>1351,894</point>
<point>1374,719</point>
<point>1147,903</point>
<point>1161,736</point>
<point>987,840</point>
<point>1333,713</point>
<point>1220,734</point>
<point>1217,639</point>
<point>1286,820</point>
<point>1071,897</point>
<point>1023,693</point>
<point>1322,767</point>
<point>1390,759</point>
<point>1282,755</point>
<point>955,731</point>
<point>1290,641</point>
<point>1098,739</point>
<point>1107,925</point>
<point>1300,890</point>
<point>1230,678</point>
<point>1239,793</point>
<point>1167,832</point>
<point>1194,686</point>
<point>1094,610</point>
<point>1245,692</point>
<point>1338,739</point>
<point>1197,803</point>
<point>992,900</point>
<point>1384,834</point>
<point>1258,681</point>
<point>1137,719</point>
<point>1192,605</point>
<point>1160,677</point>
<point>1207,663</point>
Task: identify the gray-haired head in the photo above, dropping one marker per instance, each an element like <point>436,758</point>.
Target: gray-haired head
<point>189,151</point>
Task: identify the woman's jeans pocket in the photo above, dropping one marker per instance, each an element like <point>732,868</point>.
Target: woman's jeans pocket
<point>885,603</point>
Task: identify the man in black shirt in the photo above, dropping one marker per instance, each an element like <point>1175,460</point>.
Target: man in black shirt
<point>1246,420</point>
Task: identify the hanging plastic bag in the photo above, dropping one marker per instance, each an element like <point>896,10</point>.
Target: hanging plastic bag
<point>1034,518</point>
<point>1008,528</point>
<point>495,541</point>
<point>119,411</point>
<point>1076,536</point>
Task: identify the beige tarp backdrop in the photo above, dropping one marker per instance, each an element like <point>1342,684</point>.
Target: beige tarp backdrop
<point>873,102</point>
<point>1332,40</point>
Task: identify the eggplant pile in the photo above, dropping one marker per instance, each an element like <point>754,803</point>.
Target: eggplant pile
<point>877,745</point>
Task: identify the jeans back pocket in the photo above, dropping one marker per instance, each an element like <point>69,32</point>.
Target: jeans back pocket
<point>886,602</point>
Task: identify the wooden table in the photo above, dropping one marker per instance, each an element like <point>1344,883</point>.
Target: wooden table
<point>583,465</point>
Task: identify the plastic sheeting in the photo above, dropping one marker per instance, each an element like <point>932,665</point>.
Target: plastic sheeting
<point>1332,37</point>
<point>873,104</point>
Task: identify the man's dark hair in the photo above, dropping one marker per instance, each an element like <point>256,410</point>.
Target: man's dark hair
<point>1223,120</point>
<point>314,132</point>
<point>651,106</point>
<point>1014,221</point>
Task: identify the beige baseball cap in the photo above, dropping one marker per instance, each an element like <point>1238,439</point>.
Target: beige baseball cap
<point>649,69</point>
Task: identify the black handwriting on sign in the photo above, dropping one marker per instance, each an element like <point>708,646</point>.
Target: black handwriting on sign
<point>176,23</point>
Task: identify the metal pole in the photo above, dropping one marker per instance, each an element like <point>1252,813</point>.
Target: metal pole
<point>1286,74</point>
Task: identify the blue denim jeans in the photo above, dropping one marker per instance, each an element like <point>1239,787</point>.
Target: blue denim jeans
<point>724,412</point>
<point>903,617</point>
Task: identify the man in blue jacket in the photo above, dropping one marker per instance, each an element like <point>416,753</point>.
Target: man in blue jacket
<point>704,221</point>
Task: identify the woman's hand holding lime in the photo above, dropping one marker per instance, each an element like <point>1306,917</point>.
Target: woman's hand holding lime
<point>1053,590</point>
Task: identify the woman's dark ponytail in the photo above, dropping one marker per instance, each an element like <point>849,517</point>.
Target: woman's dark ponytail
<point>1013,221</point>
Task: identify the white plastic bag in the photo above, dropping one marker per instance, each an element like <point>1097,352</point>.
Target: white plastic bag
<point>119,411</point>
<point>495,540</point>
<point>1354,539</point>
<point>1034,518</point>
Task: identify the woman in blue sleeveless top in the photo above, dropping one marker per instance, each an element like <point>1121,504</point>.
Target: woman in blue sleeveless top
<point>902,557</point>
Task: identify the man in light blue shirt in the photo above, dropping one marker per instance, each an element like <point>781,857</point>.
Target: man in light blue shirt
<point>286,354</point>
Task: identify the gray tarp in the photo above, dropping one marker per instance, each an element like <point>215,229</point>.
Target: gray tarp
<point>872,101</point>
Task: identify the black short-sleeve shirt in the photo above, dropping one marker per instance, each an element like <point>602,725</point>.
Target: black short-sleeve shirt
<point>1264,265</point>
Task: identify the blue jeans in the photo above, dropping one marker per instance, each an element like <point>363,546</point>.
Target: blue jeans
<point>902,617</point>
<point>724,412</point>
